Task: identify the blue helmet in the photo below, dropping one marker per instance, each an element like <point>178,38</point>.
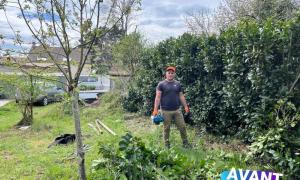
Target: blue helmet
<point>157,119</point>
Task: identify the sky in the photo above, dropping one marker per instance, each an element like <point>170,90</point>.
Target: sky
<point>158,20</point>
<point>161,19</point>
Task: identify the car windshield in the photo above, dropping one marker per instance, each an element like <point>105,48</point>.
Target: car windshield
<point>44,86</point>
<point>88,79</point>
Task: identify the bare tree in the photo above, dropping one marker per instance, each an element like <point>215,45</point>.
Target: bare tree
<point>125,11</point>
<point>200,22</point>
<point>60,22</point>
<point>232,11</point>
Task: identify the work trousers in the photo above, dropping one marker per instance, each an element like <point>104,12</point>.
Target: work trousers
<point>178,119</point>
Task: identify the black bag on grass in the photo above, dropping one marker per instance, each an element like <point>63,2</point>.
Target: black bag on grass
<point>63,139</point>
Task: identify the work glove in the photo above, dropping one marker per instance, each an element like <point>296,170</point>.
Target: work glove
<point>187,109</point>
<point>155,112</point>
<point>188,119</point>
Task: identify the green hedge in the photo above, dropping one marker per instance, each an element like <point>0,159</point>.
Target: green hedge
<point>231,81</point>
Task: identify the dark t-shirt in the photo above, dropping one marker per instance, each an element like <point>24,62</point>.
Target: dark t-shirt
<point>170,95</point>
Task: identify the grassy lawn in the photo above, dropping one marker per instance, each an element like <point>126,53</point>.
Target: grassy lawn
<point>24,153</point>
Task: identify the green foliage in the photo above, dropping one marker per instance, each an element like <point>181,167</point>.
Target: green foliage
<point>83,87</point>
<point>232,84</point>
<point>260,64</point>
<point>280,142</point>
<point>134,160</point>
<point>26,90</point>
<point>26,87</point>
<point>51,121</point>
<point>102,50</point>
<point>132,101</point>
<point>128,51</point>
<point>232,81</point>
<point>26,152</point>
<point>14,82</point>
<point>5,90</point>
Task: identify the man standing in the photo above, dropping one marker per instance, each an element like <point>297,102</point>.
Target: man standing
<point>169,96</point>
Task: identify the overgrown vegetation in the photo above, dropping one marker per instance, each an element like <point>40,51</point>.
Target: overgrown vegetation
<point>26,89</point>
<point>24,153</point>
<point>277,144</point>
<point>243,83</point>
<point>232,81</point>
<point>134,160</point>
<point>26,157</point>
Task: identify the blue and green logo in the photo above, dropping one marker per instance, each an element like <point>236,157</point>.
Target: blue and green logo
<point>240,174</point>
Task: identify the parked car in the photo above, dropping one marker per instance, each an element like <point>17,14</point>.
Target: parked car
<point>91,87</point>
<point>97,83</point>
<point>47,93</point>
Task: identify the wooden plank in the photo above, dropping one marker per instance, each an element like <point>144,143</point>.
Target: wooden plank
<point>105,127</point>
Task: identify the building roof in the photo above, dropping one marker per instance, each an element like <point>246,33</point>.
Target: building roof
<point>39,53</point>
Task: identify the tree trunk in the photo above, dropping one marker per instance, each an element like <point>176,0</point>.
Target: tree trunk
<point>31,99</point>
<point>27,114</point>
<point>80,152</point>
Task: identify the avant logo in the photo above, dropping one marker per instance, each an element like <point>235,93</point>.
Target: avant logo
<point>240,174</point>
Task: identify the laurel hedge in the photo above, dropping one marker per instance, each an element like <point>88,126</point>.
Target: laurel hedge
<point>231,81</point>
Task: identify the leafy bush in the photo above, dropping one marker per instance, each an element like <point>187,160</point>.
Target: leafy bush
<point>134,160</point>
<point>132,101</point>
<point>231,81</point>
<point>280,142</point>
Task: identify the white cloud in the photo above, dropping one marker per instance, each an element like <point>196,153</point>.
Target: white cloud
<point>155,33</point>
<point>162,19</point>
<point>158,20</point>
<point>14,23</point>
<point>18,24</point>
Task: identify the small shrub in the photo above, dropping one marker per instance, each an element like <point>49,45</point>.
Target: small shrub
<point>132,101</point>
<point>134,160</point>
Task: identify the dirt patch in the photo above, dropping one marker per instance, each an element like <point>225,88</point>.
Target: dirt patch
<point>232,147</point>
<point>7,155</point>
<point>95,103</point>
<point>37,144</point>
<point>10,133</point>
<point>91,104</point>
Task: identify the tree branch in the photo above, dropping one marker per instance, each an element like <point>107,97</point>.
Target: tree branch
<point>44,46</point>
<point>65,36</point>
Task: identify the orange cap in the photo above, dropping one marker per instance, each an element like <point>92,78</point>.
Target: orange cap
<point>171,68</point>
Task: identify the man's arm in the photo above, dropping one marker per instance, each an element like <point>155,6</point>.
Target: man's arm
<point>183,102</point>
<point>156,102</point>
